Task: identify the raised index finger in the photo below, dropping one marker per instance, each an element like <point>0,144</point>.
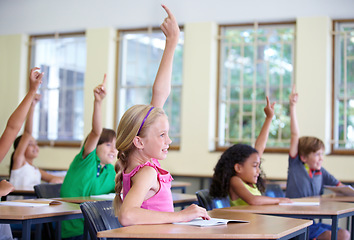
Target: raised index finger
<point>168,11</point>
<point>293,90</point>
<point>268,103</point>
<point>104,80</point>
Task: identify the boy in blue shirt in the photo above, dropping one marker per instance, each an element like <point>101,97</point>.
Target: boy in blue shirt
<point>306,176</point>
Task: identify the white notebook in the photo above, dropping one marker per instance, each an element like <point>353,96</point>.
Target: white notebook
<point>212,222</point>
<point>109,196</point>
<point>301,204</point>
<point>23,204</point>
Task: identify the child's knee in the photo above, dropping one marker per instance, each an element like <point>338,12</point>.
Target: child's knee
<point>343,234</point>
<point>326,235</point>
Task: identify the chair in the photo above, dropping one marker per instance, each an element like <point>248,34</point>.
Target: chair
<point>47,190</point>
<point>274,190</point>
<point>99,216</point>
<point>207,202</point>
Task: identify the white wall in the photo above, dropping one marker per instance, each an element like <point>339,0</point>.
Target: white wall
<point>100,19</point>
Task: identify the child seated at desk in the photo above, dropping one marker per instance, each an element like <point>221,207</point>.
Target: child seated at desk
<point>23,174</point>
<point>142,140</point>
<point>306,176</point>
<point>91,172</point>
<point>238,173</point>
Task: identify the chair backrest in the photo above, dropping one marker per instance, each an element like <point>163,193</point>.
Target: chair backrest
<point>207,202</point>
<point>47,190</point>
<point>274,190</point>
<point>99,216</point>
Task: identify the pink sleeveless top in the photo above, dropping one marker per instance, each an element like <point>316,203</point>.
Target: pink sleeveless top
<point>162,200</point>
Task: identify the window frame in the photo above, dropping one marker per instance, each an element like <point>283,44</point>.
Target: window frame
<point>335,151</point>
<point>217,147</point>
<point>53,143</point>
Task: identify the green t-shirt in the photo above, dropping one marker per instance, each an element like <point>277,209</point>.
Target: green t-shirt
<point>85,177</point>
<point>254,190</point>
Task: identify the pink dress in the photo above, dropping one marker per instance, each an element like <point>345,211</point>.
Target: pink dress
<point>162,200</point>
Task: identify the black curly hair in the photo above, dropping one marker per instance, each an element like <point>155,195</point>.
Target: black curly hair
<point>224,170</point>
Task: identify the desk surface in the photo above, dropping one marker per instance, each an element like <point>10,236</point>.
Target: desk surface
<point>22,213</point>
<point>332,197</point>
<point>177,198</point>
<point>325,208</point>
<point>259,227</point>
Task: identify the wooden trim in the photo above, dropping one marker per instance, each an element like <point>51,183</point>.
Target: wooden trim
<point>333,150</point>
<point>71,144</point>
<point>333,84</point>
<point>67,34</point>
<point>221,148</point>
<point>259,23</point>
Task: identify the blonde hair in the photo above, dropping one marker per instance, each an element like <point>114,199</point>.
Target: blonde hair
<point>128,128</point>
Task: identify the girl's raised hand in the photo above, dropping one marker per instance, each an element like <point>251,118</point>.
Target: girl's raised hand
<point>269,109</point>
<point>293,96</point>
<point>35,78</point>
<point>100,90</point>
<point>170,26</point>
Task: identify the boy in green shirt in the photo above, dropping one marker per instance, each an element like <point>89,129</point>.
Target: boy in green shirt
<point>91,172</point>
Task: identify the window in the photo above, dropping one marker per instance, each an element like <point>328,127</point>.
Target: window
<point>343,87</point>
<point>255,61</point>
<point>59,117</point>
<point>140,53</point>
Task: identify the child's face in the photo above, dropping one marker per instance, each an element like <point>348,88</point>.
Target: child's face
<point>156,142</point>
<point>32,149</point>
<point>249,170</point>
<point>107,152</point>
<point>314,160</point>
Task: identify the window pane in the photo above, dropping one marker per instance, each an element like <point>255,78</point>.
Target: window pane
<point>343,137</point>
<point>139,59</point>
<point>255,62</point>
<point>60,113</point>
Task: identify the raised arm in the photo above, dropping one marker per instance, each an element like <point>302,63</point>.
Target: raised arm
<point>294,140</point>
<point>17,118</point>
<point>19,155</point>
<point>94,135</point>
<point>162,85</point>
<point>29,121</point>
<point>262,138</point>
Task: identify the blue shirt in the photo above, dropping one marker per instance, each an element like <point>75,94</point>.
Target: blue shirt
<point>302,183</point>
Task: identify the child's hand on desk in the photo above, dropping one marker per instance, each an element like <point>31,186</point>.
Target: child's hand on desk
<point>5,188</point>
<point>285,200</point>
<point>193,211</point>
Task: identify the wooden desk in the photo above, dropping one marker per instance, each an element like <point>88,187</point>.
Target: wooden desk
<point>36,215</point>
<point>326,209</point>
<point>180,185</point>
<point>179,199</point>
<point>259,227</point>
<point>335,198</point>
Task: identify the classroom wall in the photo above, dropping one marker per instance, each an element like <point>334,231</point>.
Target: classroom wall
<point>200,20</point>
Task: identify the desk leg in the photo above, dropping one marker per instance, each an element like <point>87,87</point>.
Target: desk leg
<point>352,229</point>
<point>58,230</point>
<point>334,228</point>
<point>38,231</point>
<point>26,230</point>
